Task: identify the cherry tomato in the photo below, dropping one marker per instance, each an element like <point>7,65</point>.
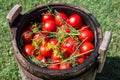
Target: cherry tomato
<point>44,51</point>
<point>66,55</point>
<point>80,60</point>
<point>49,26</point>
<point>86,35</point>
<point>85,47</point>
<point>60,18</point>
<point>47,16</point>
<point>56,57</point>
<point>39,36</point>
<point>41,58</point>
<point>84,28</point>
<point>27,36</point>
<point>75,21</point>
<point>65,28</point>
<point>28,49</point>
<point>53,41</point>
<point>64,66</point>
<point>71,40</point>
<point>78,53</point>
<point>53,67</point>
<point>36,53</point>
<point>69,46</point>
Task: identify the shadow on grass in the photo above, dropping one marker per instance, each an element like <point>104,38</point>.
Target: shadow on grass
<point>111,70</point>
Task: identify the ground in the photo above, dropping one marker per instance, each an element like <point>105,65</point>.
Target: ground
<point>107,13</point>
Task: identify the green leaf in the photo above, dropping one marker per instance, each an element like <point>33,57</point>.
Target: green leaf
<point>35,30</point>
<point>35,43</point>
<point>73,62</point>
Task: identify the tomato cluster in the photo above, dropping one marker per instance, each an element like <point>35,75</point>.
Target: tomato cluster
<point>58,42</point>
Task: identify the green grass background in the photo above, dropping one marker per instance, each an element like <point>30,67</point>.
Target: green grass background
<point>107,13</point>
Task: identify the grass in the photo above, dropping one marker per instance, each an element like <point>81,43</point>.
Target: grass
<point>107,13</point>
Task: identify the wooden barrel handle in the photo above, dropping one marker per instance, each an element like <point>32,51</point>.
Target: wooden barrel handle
<point>14,12</point>
<point>102,50</point>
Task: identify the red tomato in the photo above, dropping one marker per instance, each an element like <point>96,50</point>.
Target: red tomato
<point>80,60</point>
<point>41,58</point>
<point>39,36</point>
<point>60,17</point>
<point>84,28</point>
<point>86,34</point>
<point>27,36</point>
<point>69,46</point>
<point>47,16</point>
<point>71,40</point>
<point>78,53</point>
<point>65,66</point>
<point>66,55</point>
<point>56,57</point>
<point>65,28</point>
<point>85,47</point>
<point>75,21</point>
<point>49,26</point>
<point>44,52</point>
<point>29,49</point>
<point>53,67</point>
<point>36,53</point>
<point>53,41</point>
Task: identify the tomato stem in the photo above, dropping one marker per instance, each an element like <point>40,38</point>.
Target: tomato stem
<point>70,58</point>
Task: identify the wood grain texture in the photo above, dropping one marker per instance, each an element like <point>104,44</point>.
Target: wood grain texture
<point>14,12</point>
<point>30,70</point>
<point>102,50</point>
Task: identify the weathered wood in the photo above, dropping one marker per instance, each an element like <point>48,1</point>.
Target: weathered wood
<point>15,11</point>
<point>102,50</point>
<point>26,75</point>
<point>27,68</point>
<point>89,75</point>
